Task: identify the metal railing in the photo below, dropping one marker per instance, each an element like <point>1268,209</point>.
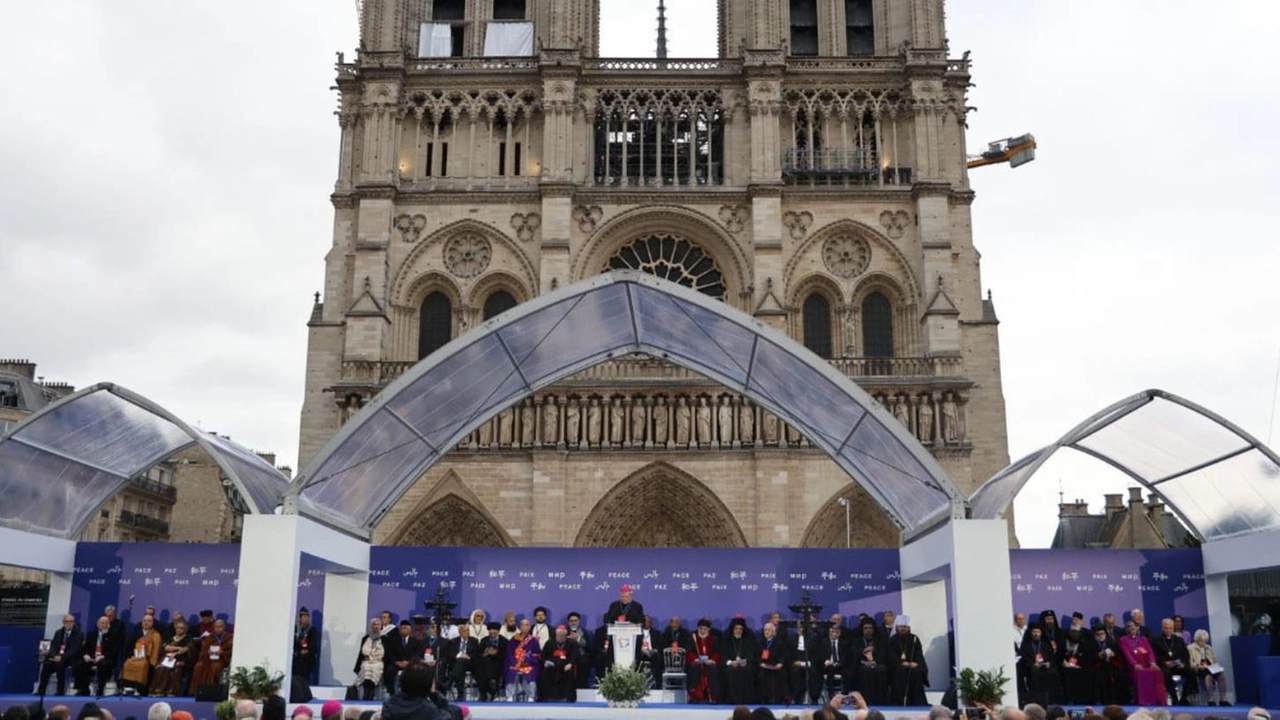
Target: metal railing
<point>155,488</point>
<point>144,522</point>
<point>645,369</point>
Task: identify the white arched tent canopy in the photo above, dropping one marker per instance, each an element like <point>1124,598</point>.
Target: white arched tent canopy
<point>61,464</point>
<point>1220,480</point>
<point>360,474</point>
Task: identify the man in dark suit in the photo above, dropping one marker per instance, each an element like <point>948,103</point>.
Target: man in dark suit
<point>624,609</point>
<point>579,634</point>
<point>98,657</point>
<point>1173,659</point>
<point>306,646</point>
<point>402,650</point>
<point>64,653</point>
<point>483,659</point>
<point>833,660</point>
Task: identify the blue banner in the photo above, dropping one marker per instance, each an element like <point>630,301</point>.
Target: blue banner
<point>690,583</point>
<point>1163,583</point>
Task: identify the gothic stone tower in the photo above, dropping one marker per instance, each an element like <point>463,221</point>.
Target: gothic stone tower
<point>813,175</point>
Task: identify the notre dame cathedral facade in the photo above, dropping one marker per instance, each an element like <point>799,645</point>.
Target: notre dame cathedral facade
<point>814,176</point>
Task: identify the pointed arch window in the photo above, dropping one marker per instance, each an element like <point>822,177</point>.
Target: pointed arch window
<point>497,303</point>
<point>877,326</point>
<point>816,319</point>
<point>435,323</point>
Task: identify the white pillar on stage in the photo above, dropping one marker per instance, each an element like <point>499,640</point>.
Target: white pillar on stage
<point>973,557</point>
<point>42,552</point>
<point>624,643</point>
<point>346,612</point>
<point>1222,558</point>
<point>267,595</point>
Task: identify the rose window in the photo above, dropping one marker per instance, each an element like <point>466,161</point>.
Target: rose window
<point>467,255</point>
<point>674,259</point>
<point>847,256</point>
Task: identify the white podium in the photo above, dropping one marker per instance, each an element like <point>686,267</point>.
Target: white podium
<point>624,643</point>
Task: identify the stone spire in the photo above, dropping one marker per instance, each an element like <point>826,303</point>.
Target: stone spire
<point>662,30</point>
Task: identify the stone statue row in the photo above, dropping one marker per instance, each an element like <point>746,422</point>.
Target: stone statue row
<point>687,421</point>
<point>658,421</point>
<point>931,417</point>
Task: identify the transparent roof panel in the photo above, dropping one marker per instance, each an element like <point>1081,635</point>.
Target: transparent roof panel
<point>776,376</point>
<point>47,494</point>
<point>721,346</point>
<point>61,464</point>
<point>381,452</point>
<point>108,431</point>
<point>1219,479</point>
<point>1162,438</point>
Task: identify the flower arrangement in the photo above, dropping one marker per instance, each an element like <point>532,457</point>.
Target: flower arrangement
<point>624,686</point>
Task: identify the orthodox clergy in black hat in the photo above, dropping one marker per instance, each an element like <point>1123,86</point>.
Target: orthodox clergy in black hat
<point>869,657</point>
<point>306,646</point>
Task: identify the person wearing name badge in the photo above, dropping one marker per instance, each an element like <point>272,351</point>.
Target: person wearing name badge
<point>523,664</point>
<point>167,677</point>
<point>432,655</point>
<point>1174,660</point>
<point>649,651</point>
<point>144,655</point>
<point>559,659</point>
<point>540,629</point>
<point>1209,673</point>
<point>907,666</point>
<point>98,659</point>
<point>64,651</point>
<point>625,609</point>
<point>371,661</point>
<point>1144,669</point>
<point>739,653</point>
<point>1044,686</point>
<point>703,676</point>
<point>306,646</point>
<point>488,664</point>
<point>1079,682</point>
<point>1109,671</point>
<point>509,625</point>
<point>214,657</point>
<point>477,621</point>
<point>771,661</point>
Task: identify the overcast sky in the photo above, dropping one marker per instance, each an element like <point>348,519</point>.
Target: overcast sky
<point>164,214</point>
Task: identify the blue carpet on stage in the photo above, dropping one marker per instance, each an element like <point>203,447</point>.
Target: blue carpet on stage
<point>124,708</point>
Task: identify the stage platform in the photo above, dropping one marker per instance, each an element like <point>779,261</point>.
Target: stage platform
<point>123,708</point>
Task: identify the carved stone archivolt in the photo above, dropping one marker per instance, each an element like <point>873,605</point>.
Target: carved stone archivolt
<point>871,528</point>
<point>660,506</point>
<point>846,256</point>
<point>649,421</point>
<point>466,255</point>
<point>452,522</point>
<point>526,225</point>
<point>410,227</point>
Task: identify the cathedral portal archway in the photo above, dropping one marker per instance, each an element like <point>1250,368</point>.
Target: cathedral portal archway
<point>451,521</point>
<point>660,506</point>
<point>869,526</point>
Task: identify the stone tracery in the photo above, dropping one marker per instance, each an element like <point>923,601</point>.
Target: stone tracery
<point>665,507</point>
